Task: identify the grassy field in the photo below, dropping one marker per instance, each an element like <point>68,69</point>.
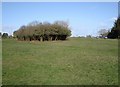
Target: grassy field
<point>77,61</point>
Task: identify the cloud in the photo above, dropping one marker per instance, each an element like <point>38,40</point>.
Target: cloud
<point>113,19</point>
<point>103,24</point>
<point>107,23</point>
<point>8,29</point>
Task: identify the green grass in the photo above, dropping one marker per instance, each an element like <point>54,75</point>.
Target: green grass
<point>77,61</point>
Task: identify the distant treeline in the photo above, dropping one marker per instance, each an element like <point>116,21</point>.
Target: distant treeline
<point>4,35</point>
<point>45,31</point>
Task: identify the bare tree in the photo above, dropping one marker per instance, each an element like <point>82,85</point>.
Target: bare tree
<point>62,23</point>
<point>103,33</point>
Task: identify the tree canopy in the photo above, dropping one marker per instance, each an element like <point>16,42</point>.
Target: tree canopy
<point>35,30</point>
<point>0,34</point>
<point>115,31</point>
<point>4,35</point>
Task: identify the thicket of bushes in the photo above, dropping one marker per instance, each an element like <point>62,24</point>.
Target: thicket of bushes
<point>59,30</point>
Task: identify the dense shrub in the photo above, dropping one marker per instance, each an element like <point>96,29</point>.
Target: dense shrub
<point>59,30</point>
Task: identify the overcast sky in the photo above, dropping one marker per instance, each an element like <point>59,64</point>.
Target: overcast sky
<point>85,18</point>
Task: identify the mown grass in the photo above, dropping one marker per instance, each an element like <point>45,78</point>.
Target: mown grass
<point>77,61</point>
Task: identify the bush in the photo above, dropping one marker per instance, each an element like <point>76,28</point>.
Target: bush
<point>5,35</point>
<point>43,31</point>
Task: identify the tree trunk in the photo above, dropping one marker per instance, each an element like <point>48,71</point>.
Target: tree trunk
<point>41,39</point>
<point>50,38</point>
<point>55,38</point>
